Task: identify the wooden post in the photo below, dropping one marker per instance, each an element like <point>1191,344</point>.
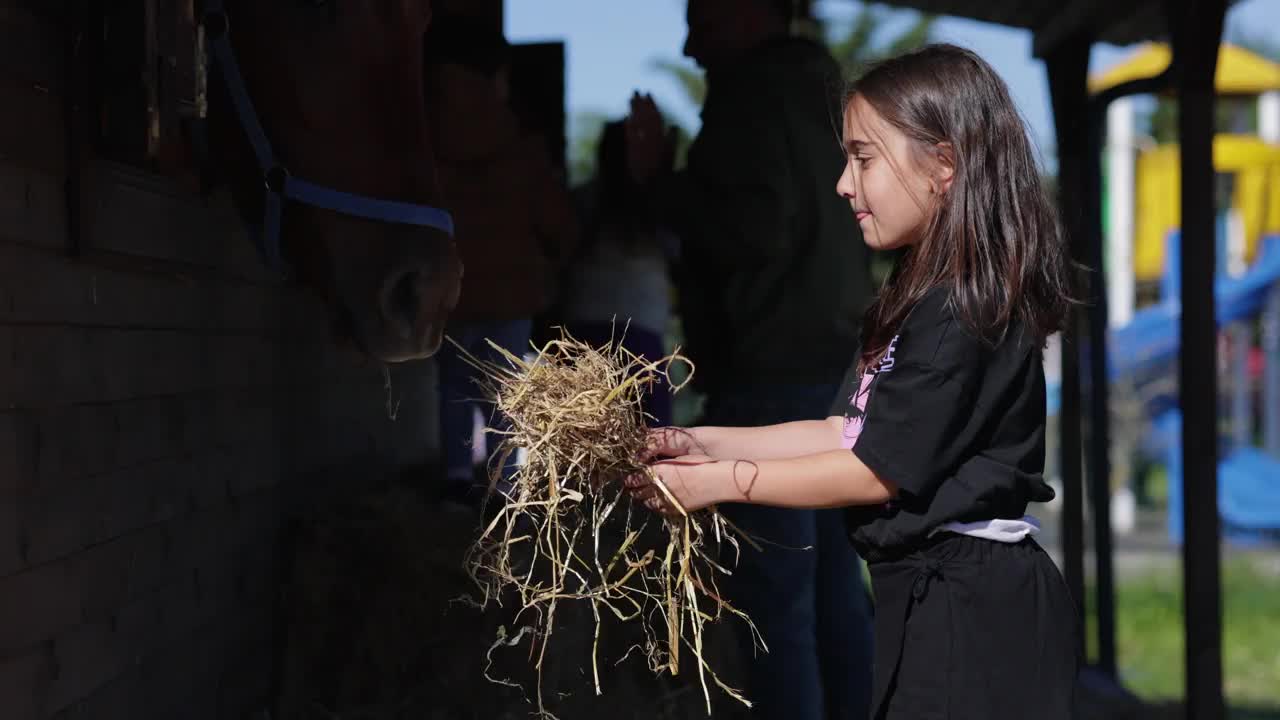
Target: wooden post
<point>1068,66</point>
<point>1100,419</point>
<point>1098,474</point>
<point>1197,31</point>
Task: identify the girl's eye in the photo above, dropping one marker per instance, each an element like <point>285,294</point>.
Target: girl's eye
<point>863,161</point>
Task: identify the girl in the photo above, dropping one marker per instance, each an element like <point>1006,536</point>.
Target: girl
<point>935,445</point>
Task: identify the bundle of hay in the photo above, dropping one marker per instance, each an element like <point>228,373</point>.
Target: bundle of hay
<point>566,529</point>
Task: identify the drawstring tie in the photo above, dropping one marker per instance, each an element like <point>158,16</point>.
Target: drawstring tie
<point>928,569</point>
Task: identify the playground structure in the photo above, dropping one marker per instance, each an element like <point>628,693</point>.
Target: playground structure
<point>1142,235</point>
<point>1143,352</point>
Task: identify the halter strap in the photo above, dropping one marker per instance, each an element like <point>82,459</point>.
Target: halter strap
<point>278,182</point>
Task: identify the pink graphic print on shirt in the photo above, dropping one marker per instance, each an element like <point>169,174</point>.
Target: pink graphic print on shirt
<point>857,414</point>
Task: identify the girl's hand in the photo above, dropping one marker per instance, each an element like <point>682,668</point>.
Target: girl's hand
<point>671,442</point>
<point>692,481</point>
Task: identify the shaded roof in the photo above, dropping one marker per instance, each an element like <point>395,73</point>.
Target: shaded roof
<point>1240,72</point>
<point>1119,22</point>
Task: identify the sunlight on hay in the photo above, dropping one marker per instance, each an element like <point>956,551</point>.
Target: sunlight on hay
<point>566,529</point>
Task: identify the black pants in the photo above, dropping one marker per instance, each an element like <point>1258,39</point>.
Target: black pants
<point>973,628</point>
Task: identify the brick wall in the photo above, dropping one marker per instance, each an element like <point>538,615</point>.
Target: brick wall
<point>163,405</point>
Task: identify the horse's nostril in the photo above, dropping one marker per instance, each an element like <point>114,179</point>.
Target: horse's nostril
<point>402,302</point>
<point>404,294</point>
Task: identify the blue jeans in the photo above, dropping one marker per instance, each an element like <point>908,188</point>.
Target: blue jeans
<point>460,393</point>
<point>811,606</point>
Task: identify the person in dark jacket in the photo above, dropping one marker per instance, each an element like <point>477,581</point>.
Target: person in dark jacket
<point>772,279</point>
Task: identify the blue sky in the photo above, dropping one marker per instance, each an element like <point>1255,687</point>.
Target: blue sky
<point>610,46</point>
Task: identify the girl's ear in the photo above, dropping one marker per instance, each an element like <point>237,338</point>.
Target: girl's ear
<point>944,168</point>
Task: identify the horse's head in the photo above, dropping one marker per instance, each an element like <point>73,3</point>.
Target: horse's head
<point>337,87</point>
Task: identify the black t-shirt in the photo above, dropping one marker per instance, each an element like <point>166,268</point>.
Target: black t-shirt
<point>956,424</point>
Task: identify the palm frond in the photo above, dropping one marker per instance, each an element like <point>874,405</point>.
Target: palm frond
<point>690,78</point>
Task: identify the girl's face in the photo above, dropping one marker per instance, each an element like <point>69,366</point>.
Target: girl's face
<point>891,195</point>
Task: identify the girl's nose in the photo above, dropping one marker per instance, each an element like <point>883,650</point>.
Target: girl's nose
<point>844,186</point>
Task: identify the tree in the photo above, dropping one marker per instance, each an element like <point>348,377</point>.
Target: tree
<point>689,77</point>
<point>855,45</point>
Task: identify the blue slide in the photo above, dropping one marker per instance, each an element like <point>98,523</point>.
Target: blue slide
<point>1146,350</point>
<point>1248,490</point>
<point>1150,340</point>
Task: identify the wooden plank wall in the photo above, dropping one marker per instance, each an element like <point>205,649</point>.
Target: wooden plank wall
<point>164,403</point>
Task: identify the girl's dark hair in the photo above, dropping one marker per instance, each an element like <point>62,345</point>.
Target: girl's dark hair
<point>994,240</point>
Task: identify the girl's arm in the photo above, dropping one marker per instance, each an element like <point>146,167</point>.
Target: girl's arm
<point>835,478</point>
<point>770,442</point>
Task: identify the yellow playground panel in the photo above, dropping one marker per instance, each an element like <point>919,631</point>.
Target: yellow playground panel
<point>1254,163</point>
<point>1256,196</point>
<point>1240,72</point>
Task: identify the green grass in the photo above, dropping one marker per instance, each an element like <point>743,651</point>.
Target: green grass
<point>1149,637</point>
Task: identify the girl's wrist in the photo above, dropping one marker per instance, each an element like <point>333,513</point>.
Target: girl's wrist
<point>704,441</point>
<point>723,484</point>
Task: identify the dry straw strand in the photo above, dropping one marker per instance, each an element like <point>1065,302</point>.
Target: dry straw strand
<point>566,530</point>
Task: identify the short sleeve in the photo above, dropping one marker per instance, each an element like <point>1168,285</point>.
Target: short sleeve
<point>920,416</point>
<point>914,429</point>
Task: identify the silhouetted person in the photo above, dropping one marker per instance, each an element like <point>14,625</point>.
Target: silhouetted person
<point>618,286</point>
<point>513,225</point>
<point>773,278</point>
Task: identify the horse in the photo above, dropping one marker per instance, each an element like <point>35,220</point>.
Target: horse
<point>318,117</point>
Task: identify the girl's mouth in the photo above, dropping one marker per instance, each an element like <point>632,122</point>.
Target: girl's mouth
<point>861,215</point>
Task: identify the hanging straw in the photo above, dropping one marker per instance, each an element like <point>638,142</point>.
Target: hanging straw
<point>566,530</point>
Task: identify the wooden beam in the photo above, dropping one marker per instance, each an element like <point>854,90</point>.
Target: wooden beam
<point>1106,20</point>
<point>1068,67</point>
<point>1197,32</point>
<point>1070,20</point>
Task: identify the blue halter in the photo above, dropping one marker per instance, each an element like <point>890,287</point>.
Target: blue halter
<point>279,183</point>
